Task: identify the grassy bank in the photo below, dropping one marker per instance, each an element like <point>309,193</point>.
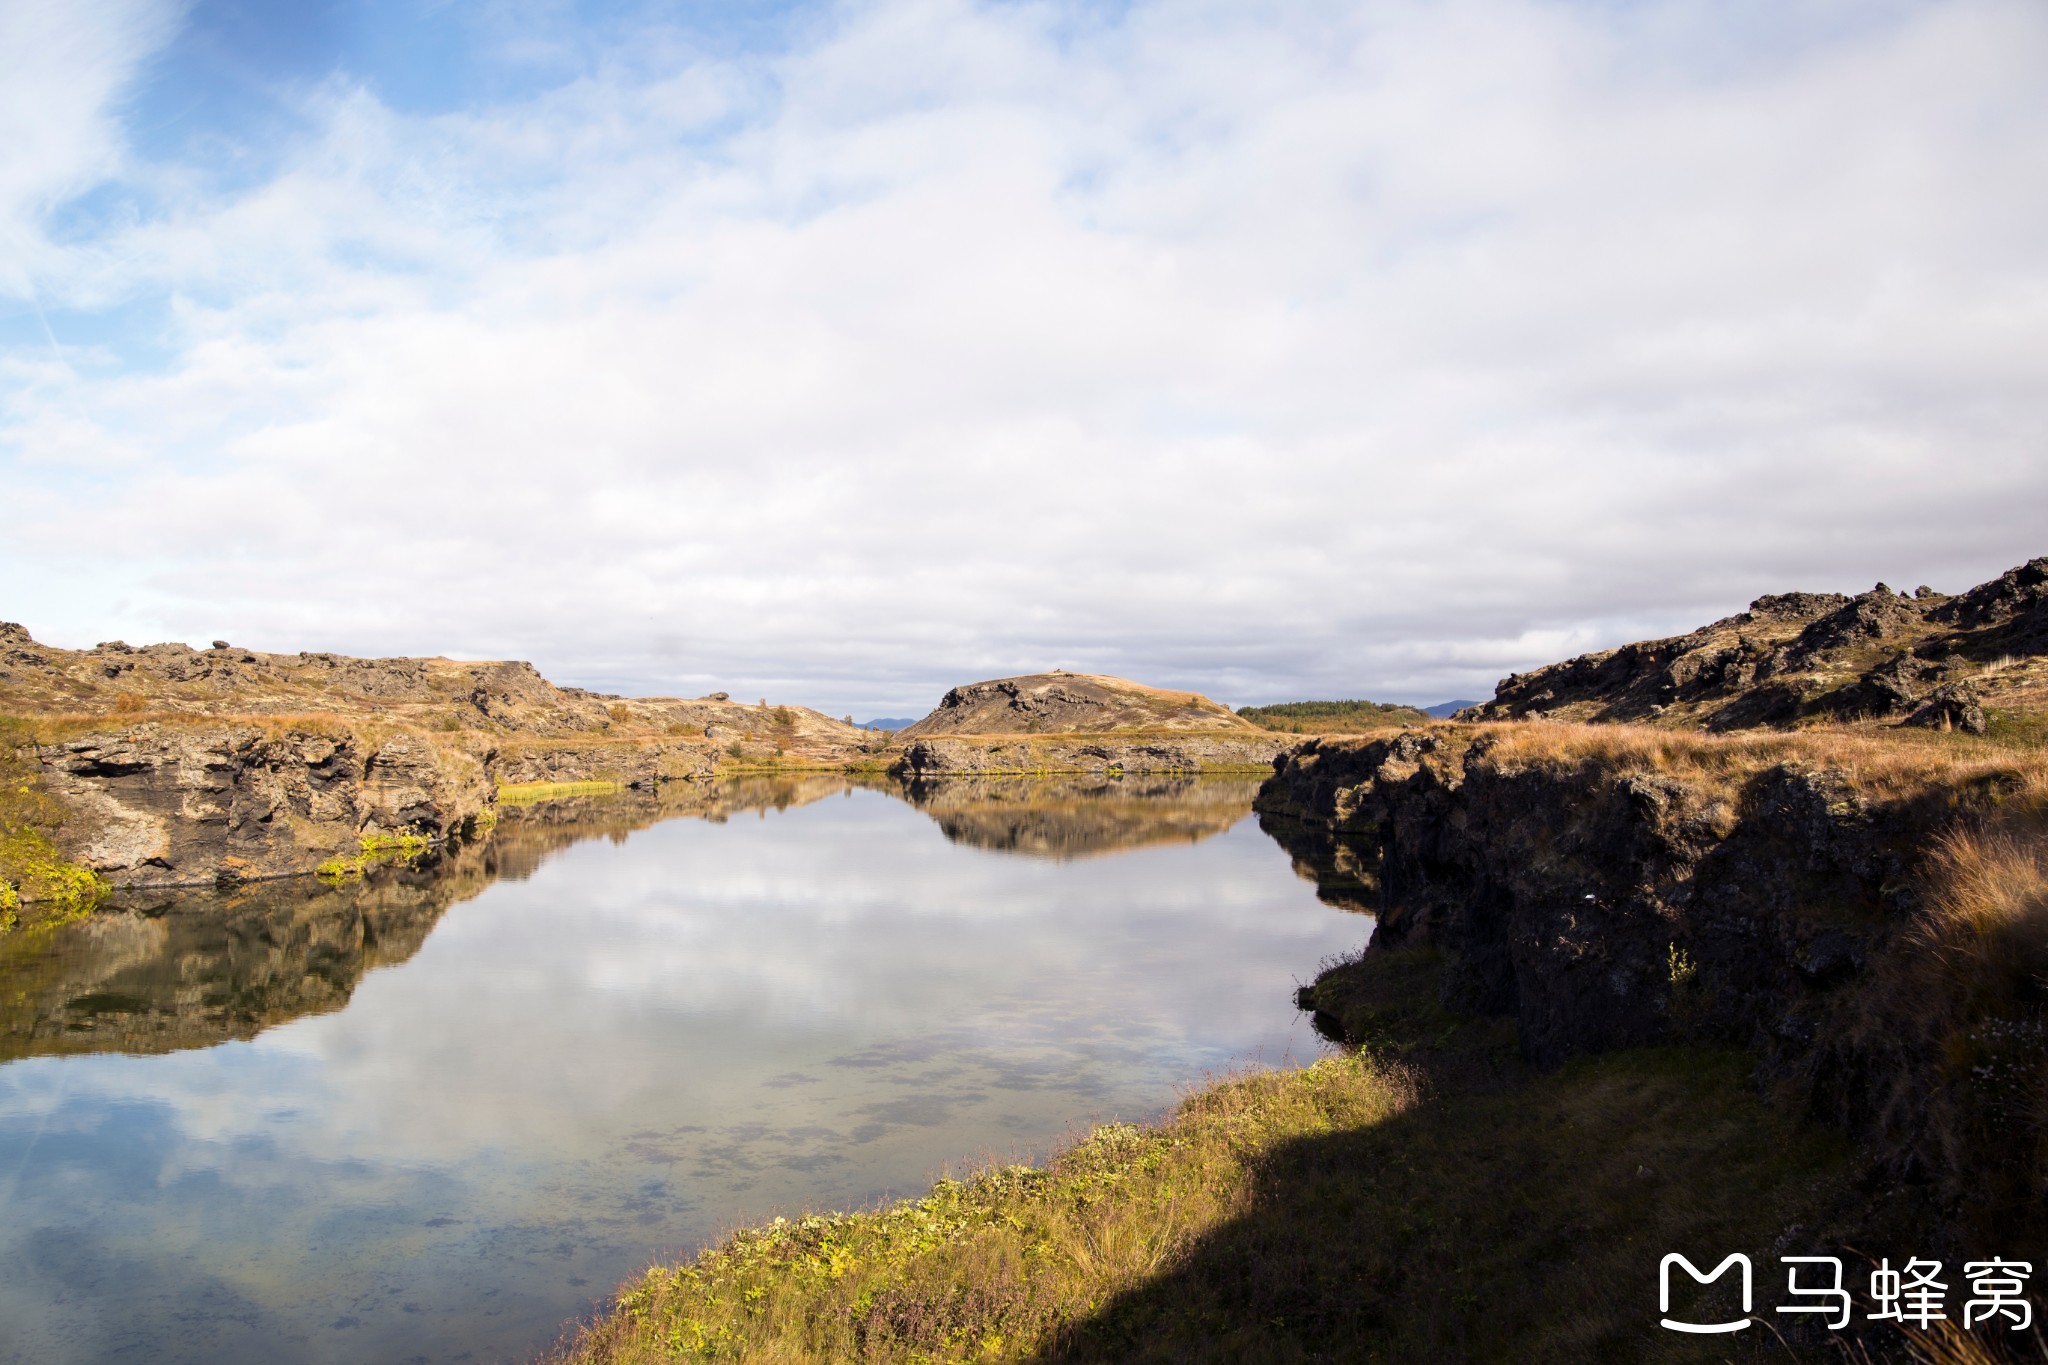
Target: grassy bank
<point>1425,1198</point>
<point>533,793</point>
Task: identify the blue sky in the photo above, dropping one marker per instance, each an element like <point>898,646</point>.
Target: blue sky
<point>841,352</point>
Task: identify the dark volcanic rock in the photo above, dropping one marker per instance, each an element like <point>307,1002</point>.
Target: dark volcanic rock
<point>1616,898</point>
<point>1562,891</point>
<point>1795,657</point>
<point>1879,614</point>
<point>2013,594</point>
<point>1952,706</point>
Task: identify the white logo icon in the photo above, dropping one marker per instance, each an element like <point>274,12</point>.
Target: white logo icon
<point>1664,1291</point>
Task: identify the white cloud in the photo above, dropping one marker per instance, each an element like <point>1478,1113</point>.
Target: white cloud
<point>1326,349</point>
<point>63,69</point>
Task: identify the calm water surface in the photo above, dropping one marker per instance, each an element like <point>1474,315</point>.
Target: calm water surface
<point>437,1117</point>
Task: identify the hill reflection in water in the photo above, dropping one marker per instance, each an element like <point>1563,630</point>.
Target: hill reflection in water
<point>436,1114</point>
<point>193,968</point>
<point>166,970</point>
<point>1080,817</point>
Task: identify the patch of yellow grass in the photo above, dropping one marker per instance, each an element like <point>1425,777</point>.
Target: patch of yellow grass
<point>531,793</point>
<point>1884,762</point>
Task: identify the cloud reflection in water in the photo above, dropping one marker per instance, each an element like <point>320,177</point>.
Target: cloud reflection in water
<point>642,1042</point>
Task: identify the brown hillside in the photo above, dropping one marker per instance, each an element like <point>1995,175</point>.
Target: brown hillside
<point>491,699</point>
<point>1071,703</point>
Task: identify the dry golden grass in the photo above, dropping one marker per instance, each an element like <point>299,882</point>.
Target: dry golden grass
<point>1949,1344</point>
<point>1992,891</point>
<point>57,727</point>
<point>1884,762</point>
<point>533,793</point>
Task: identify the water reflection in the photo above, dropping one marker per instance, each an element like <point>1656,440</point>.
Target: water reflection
<point>160,971</point>
<point>1076,817</point>
<point>602,1036</point>
<point>1342,876</point>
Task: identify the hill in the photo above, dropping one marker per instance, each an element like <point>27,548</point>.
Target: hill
<point>1061,703</point>
<point>1976,661</point>
<point>488,698</point>
<point>1331,717</point>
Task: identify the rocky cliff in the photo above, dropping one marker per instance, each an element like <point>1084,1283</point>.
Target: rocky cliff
<point>1963,662</point>
<point>1807,897</point>
<point>168,804</point>
<point>176,766</point>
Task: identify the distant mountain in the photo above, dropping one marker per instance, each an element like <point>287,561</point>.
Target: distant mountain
<point>1444,709</point>
<point>885,723</point>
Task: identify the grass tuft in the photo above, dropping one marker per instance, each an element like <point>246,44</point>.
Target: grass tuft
<point>371,850</point>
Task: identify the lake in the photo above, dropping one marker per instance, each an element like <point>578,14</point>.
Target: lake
<point>438,1115</point>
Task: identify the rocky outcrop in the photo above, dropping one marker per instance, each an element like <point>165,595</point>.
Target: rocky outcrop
<point>1077,723</point>
<point>643,765</point>
<point>964,757</point>
<point>2011,610</point>
<point>1071,703</point>
<point>179,805</point>
<point>1798,657</point>
<point>1562,889</point>
<point>1609,889</point>
<point>177,766</point>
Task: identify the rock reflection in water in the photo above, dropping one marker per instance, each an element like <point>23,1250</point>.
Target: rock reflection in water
<point>1079,817</point>
<point>1342,876</point>
<point>167,970</point>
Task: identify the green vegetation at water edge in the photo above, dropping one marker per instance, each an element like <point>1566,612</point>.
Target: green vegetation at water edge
<point>371,850</point>
<point>1426,1198</point>
<point>38,885</point>
<point>1331,717</point>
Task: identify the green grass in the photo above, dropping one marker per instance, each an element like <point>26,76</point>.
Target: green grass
<point>38,885</point>
<point>2015,726</point>
<point>371,850</point>
<point>1331,717</point>
<point>532,793</point>
<point>1427,1198</point>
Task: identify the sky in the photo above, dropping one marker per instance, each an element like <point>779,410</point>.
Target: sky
<point>841,352</point>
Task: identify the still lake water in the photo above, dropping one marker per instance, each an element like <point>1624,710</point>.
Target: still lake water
<point>439,1116</point>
